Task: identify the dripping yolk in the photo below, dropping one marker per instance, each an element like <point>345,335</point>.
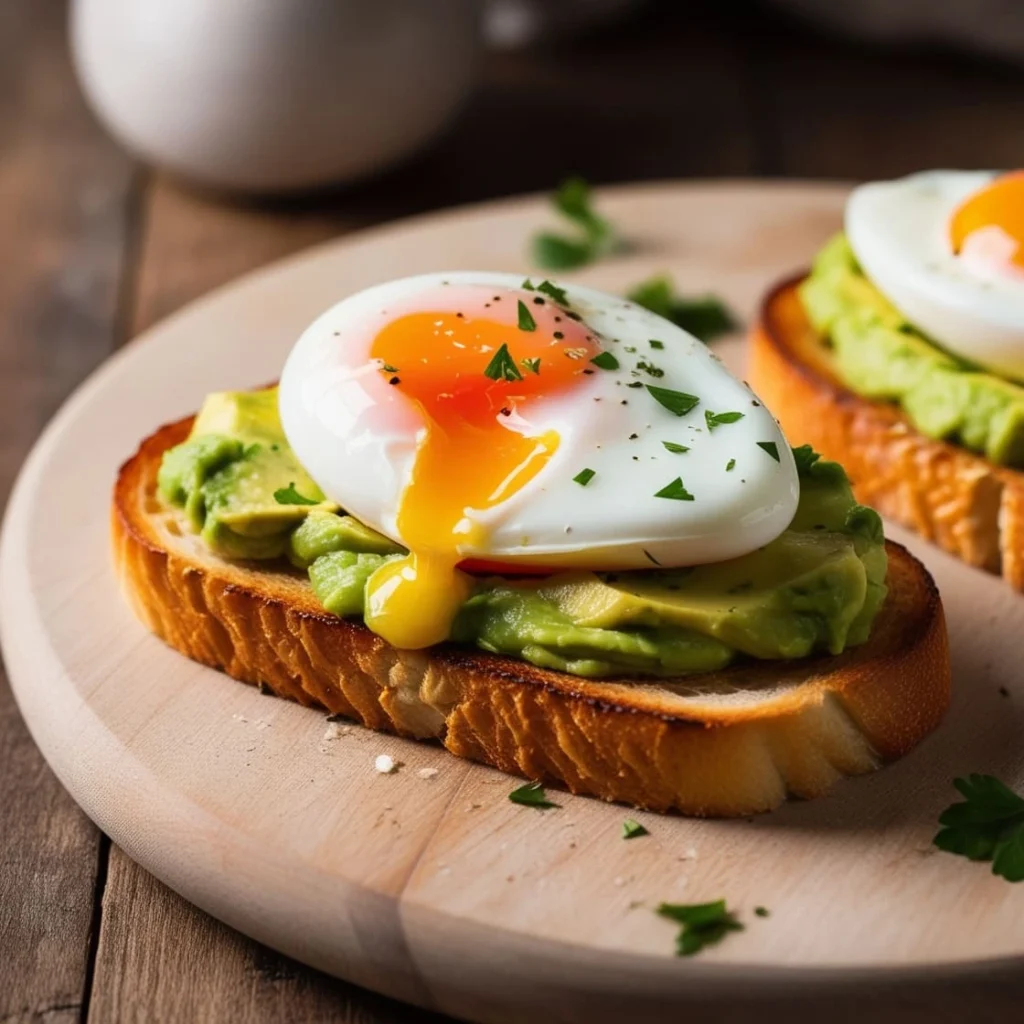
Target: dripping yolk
<point>473,374</point>
<point>995,212</point>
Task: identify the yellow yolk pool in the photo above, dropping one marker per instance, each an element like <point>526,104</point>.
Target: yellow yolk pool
<point>998,206</point>
<point>473,375</point>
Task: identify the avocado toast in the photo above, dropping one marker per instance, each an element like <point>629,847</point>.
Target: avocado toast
<point>929,437</point>
<point>730,741</point>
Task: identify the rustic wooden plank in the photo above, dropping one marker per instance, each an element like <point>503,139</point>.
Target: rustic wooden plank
<point>65,198</point>
<point>161,958</point>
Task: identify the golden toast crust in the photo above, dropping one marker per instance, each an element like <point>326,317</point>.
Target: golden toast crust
<point>953,497</point>
<point>726,743</point>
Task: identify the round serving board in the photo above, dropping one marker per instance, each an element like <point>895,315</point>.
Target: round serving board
<point>430,885</point>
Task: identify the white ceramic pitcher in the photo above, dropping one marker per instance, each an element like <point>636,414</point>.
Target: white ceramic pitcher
<point>275,95</point>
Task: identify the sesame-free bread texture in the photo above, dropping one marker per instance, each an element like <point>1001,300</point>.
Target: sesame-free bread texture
<point>725,743</point>
<point>955,498</point>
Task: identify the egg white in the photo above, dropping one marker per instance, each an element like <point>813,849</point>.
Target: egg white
<point>357,437</point>
<point>899,232</point>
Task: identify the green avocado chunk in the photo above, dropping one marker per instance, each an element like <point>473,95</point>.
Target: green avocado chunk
<point>879,355</point>
<point>231,472</point>
<point>816,588</point>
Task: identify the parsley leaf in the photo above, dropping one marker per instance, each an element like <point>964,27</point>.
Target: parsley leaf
<point>705,317</point>
<point>606,361</point>
<point>531,795</point>
<point>654,371</point>
<point>678,402</point>
<point>654,343</point>
<point>703,924</point>
<point>631,829</point>
<point>675,490</point>
<point>805,457</point>
<point>730,465</point>
<point>596,237</point>
<point>554,292</point>
<point>771,448</point>
<point>716,419</point>
<point>583,477</point>
<point>388,368</point>
<point>528,285</point>
<point>289,496</point>
<point>762,911</point>
<point>526,321</point>
<point>502,366</point>
<point>553,252</point>
<point>987,825</point>
<point>676,449</point>
<point>533,365</point>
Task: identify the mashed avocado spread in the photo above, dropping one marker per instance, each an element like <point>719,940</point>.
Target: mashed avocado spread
<point>879,355</point>
<point>814,589</point>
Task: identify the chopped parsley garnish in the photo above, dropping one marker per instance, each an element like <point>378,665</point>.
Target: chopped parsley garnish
<point>531,795</point>
<point>594,236</point>
<point>716,419</point>
<point>771,448</point>
<point>762,911</point>
<point>676,449</point>
<point>805,457</point>
<point>289,496</point>
<point>533,365</point>
<point>606,361</point>
<point>703,924</point>
<point>987,825</point>
<point>730,465</point>
<point>631,829</point>
<point>675,490</point>
<point>705,317</point>
<point>388,368</point>
<point>502,366</point>
<point>526,321</point>
<point>678,402</point>
<point>528,286</point>
<point>583,477</point>
<point>654,371</point>
<point>635,384</point>
<point>554,292</point>
<point>654,343</point>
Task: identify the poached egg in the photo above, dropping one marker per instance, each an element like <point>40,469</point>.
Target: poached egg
<point>947,249</point>
<point>488,424</point>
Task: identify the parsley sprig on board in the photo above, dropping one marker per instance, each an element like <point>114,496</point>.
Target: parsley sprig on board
<point>705,318</point>
<point>532,794</point>
<point>988,824</point>
<point>703,924</point>
<point>593,237</point>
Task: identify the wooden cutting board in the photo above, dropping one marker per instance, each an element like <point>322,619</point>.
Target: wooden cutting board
<point>437,889</point>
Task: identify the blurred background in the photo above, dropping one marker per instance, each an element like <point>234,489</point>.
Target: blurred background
<point>155,150</point>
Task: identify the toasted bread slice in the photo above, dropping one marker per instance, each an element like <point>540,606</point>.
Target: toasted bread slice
<point>953,497</point>
<point>725,743</point>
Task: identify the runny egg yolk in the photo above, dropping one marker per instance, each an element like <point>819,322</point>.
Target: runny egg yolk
<point>473,376</point>
<point>999,206</point>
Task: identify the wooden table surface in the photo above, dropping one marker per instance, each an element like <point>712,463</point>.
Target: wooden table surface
<point>95,247</point>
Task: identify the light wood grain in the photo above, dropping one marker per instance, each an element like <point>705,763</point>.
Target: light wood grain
<point>439,890</point>
<point>66,201</point>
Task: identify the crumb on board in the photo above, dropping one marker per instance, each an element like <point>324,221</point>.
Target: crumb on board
<point>334,730</point>
<point>427,773</point>
<point>385,764</point>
